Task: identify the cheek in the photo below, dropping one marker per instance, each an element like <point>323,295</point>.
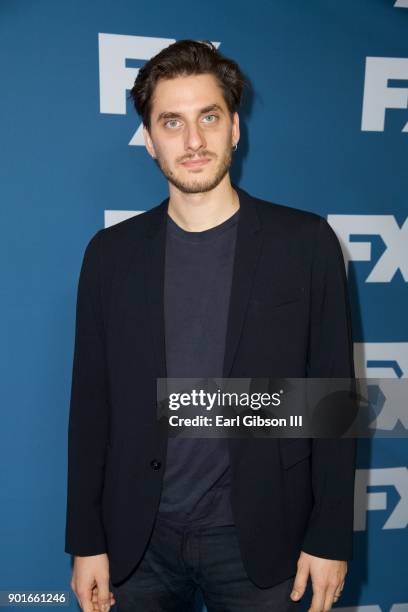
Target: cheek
<point>172,151</point>
<point>166,147</point>
<point>166,157</point>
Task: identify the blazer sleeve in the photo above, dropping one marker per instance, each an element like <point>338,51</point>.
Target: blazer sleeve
<point>329,533</point>
<point>88,417</point>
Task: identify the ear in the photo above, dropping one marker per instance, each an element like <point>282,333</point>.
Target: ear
<point>235,133</point>
<point>148,142</point>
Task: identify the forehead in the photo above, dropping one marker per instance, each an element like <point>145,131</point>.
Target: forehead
<point>187,94</point>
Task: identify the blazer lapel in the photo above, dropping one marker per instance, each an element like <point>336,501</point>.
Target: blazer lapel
<point>247,250</point>
<point>155,260</point>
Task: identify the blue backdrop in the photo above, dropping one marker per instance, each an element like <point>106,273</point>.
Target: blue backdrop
<point>326,131</point>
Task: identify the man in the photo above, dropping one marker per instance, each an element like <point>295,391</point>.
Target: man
<point>211,282</point>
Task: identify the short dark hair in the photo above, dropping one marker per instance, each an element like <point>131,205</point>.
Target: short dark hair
<point>185,58</point>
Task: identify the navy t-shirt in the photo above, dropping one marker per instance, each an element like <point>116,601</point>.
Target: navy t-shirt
<point>198,275</point>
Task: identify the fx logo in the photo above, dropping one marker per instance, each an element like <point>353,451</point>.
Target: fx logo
<point>386,361</point>
<point>111,217</point>
<point>395,238</point>
<point>379,95</point>
<point>381,359</point>
<point>377,500</point>
<point>115,77</point>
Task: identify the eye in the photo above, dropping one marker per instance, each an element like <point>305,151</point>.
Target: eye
<point>214,116</point>
<point>167,123</point>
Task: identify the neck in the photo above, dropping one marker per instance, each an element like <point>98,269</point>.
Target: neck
<point>197,212</point>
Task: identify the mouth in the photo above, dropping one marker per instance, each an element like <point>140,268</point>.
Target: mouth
<point>197,163</point>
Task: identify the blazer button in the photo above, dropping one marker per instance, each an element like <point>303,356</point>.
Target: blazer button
<point>155,465</point>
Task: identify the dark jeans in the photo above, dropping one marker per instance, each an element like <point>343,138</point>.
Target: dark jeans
<point>180,561</point>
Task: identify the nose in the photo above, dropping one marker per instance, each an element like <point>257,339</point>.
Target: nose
<point>194,138</point>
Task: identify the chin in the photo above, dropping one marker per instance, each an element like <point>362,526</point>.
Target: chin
<point>194,187</point>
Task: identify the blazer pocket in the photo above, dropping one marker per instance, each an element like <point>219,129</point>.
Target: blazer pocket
<point>278,298</point>
<point>293,451</point>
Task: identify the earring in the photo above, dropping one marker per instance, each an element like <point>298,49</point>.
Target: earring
<point>234,147</point>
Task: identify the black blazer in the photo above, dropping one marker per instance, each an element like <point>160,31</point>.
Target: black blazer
<point>289,317</point>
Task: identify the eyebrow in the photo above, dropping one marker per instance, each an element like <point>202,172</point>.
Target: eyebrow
<point>173,115</point>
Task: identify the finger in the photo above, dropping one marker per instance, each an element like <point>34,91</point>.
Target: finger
<point>85,601</point>
<point>112,599</point>
<point>95,602</point>
<point>339,590</point>
<point>300,582</point>
<point>104,595</point>
<point>96,608</point>
<point>318,598</point>
<point>95,595</point>
<point>95,599</point>
<point>328,601</point>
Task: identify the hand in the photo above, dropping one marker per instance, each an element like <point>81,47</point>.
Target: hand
<point>90,583</point>
<point>327,577</point>
<point>96,606</point>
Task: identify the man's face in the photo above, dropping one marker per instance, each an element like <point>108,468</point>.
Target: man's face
<point>191,133</point>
